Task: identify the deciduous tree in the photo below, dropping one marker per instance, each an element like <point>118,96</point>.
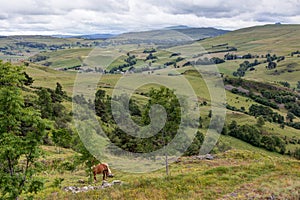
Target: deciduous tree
<point>21,132</point>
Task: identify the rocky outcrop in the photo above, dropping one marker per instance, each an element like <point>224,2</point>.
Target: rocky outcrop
<point>105,184</point>
<point>205,157</point>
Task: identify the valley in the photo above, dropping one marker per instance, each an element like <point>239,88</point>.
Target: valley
<point>246,89</point>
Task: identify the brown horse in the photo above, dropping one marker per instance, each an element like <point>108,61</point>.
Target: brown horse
<point>101,168</point>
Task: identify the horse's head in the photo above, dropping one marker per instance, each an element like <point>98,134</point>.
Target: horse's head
<point>110,175</point>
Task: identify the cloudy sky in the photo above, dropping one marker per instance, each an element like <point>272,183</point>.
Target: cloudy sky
<point>116,16</point>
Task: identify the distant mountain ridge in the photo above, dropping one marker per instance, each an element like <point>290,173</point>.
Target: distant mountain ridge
<point>88,36</point>
<point>178,27</point>
<point>170,35</point>
<point>192,33</point>
<point>200,33</point>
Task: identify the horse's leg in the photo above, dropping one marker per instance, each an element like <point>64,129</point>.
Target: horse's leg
<point>106,173</point>
<point>95,178</point>
<point>103,175</point>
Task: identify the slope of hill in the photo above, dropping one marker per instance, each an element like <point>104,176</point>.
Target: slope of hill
<point>235,174</point>
<point>62,59</point>
<point>201,33</point>
<point>20,48</point>
<point>258,42</point>
<point>171,35</point>
<point>96,36</point>
<point>278,39</point>
<point>240,170</point>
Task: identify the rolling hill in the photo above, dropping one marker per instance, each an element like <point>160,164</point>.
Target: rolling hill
<point>170,35</point>
<point>273,39</point>
<point>252,160</point>
<point>259,41</point>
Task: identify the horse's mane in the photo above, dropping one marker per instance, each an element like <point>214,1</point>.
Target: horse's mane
<point>107,167</point>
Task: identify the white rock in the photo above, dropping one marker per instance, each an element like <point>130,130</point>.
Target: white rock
<point>116,182</point>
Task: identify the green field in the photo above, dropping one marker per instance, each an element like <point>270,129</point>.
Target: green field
<point>239,170</point>
<point>278,39</point>
<point>243,172</point>
<point>47,78</point>
<point>66,58</point>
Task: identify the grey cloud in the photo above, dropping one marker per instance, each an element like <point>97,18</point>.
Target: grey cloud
<point>87,16</point>
<point>268,17</point>
<point>3,17</point>
<point>230,9</point>
<point>57,7</point>
<point>210,9</point>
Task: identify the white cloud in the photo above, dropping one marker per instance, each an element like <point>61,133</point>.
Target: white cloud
<point>99,16</point>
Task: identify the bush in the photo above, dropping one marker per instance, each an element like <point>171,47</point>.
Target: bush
<point>68,166</point>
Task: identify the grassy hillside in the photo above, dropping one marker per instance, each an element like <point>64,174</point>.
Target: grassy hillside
<point>279,39</point>
<point>17,48</point>
<point>46,77</point>
<point>240,170</point>
<point>287,70</point>
<point>65,58</point>
<point>166,36</point>
<point>236,174</point>
<point>259,41</point>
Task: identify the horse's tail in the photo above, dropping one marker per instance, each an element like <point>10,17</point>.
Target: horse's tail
<point>109,172</point>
